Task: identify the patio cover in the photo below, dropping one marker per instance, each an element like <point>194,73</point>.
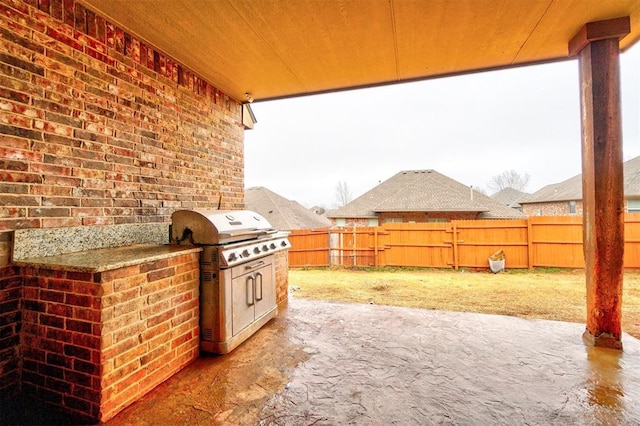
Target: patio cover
<point>273,49</point>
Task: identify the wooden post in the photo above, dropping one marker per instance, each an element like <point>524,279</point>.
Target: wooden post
<point>597,48</point>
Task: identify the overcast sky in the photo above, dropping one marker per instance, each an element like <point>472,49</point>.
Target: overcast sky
<point>469,128</point>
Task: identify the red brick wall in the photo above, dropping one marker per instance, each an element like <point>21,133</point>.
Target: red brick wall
<point>10,327</point>
<point>10,320</point>
<point>282,276</point>
<point>95,342</point>
<point>5,248</point>
<point>97,127</point>
<point>61,338</point>
<point>151,327</point>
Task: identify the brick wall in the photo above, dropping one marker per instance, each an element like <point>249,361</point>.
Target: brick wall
<point>411,217</point>
<point>426,216</point>
<point>151,327</point>
<point>61,338</point>
<point>282,276</point>
<point>95,342</point>
<point>556,208</point>
<point>10,320</point>
<point>10,327</point>
<point>97,127</point>
<point>352,222</point>
<point>5,248</point>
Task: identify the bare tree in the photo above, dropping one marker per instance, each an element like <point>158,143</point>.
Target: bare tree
<point>343,193</point>
<point>509,179</point>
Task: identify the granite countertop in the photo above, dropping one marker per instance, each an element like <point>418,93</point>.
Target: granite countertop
<point>107,259</point>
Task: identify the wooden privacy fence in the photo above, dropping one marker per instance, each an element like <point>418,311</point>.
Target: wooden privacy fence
<point>553,241</point>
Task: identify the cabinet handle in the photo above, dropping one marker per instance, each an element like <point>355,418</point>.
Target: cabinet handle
<point>258,285</point>
<point>251,288</point>
<point>254,266</point>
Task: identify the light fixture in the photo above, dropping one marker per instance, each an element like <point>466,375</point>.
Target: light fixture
<point>249,97</point>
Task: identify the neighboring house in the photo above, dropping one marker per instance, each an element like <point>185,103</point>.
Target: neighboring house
<point>420,196</point>
<point>511,197</point>
<point>282,214</point>
<point>565,198</point>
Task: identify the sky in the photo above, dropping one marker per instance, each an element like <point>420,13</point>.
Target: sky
<point>469,128</point>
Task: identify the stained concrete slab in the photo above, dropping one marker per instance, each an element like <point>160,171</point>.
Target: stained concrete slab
<point>327,363</point>
<point>378,365</point>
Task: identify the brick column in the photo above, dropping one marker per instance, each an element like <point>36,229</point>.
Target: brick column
<point>597,48</point>
<point>95,342</point>
<point>282,277</point>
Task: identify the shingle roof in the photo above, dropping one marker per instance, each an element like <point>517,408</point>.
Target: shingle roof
<point>571,189</point>
<point>510,197</point>
<point>283,214</point>
<point>423,191</point>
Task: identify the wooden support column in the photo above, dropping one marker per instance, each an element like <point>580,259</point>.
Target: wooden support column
<point>598,51</point>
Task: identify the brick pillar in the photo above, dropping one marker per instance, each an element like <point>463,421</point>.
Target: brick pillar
<point>95,342</point>
<point>597,48</point>
<point>282,276</point>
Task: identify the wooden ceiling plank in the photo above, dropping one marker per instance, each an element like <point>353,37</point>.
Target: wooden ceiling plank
<point>281,48</point>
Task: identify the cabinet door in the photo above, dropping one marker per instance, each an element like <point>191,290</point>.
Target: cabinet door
<point>243,300</point>
<point>265,290</point>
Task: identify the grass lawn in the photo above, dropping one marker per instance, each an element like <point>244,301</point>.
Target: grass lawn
<point>530,294</point>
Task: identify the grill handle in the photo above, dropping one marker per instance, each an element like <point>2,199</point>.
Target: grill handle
<point>249,233</point>
<point>254,266</point>
<point>251,289</point>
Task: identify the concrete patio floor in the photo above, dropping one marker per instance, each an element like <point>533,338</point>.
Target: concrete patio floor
<point>325,363</point>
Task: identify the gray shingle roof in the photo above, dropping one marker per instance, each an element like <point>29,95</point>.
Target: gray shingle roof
<point>283,214</point>
<point>423,191</point>
<point>510,197</point>
<point>571,189</point>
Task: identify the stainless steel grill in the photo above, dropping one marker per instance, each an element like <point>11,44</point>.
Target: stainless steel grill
<point>237,272</point>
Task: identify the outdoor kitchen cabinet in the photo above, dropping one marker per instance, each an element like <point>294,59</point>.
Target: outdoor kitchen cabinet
<point>252,293</point>
<point>234,302</point>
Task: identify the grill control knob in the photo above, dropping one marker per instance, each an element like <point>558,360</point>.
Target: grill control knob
<point>273,245</point>
<point>232,257</point>
<point>256,250</point>
<point>245,253</point>
<point>265,248</point>
<point>283,244</point>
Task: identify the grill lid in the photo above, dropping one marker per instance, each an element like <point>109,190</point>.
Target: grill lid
<point>203,226</point>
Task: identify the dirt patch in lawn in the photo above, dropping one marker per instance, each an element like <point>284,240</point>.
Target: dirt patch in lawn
<point>559,296</point>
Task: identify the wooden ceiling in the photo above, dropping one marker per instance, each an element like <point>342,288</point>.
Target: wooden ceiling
<point>281,48</point>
